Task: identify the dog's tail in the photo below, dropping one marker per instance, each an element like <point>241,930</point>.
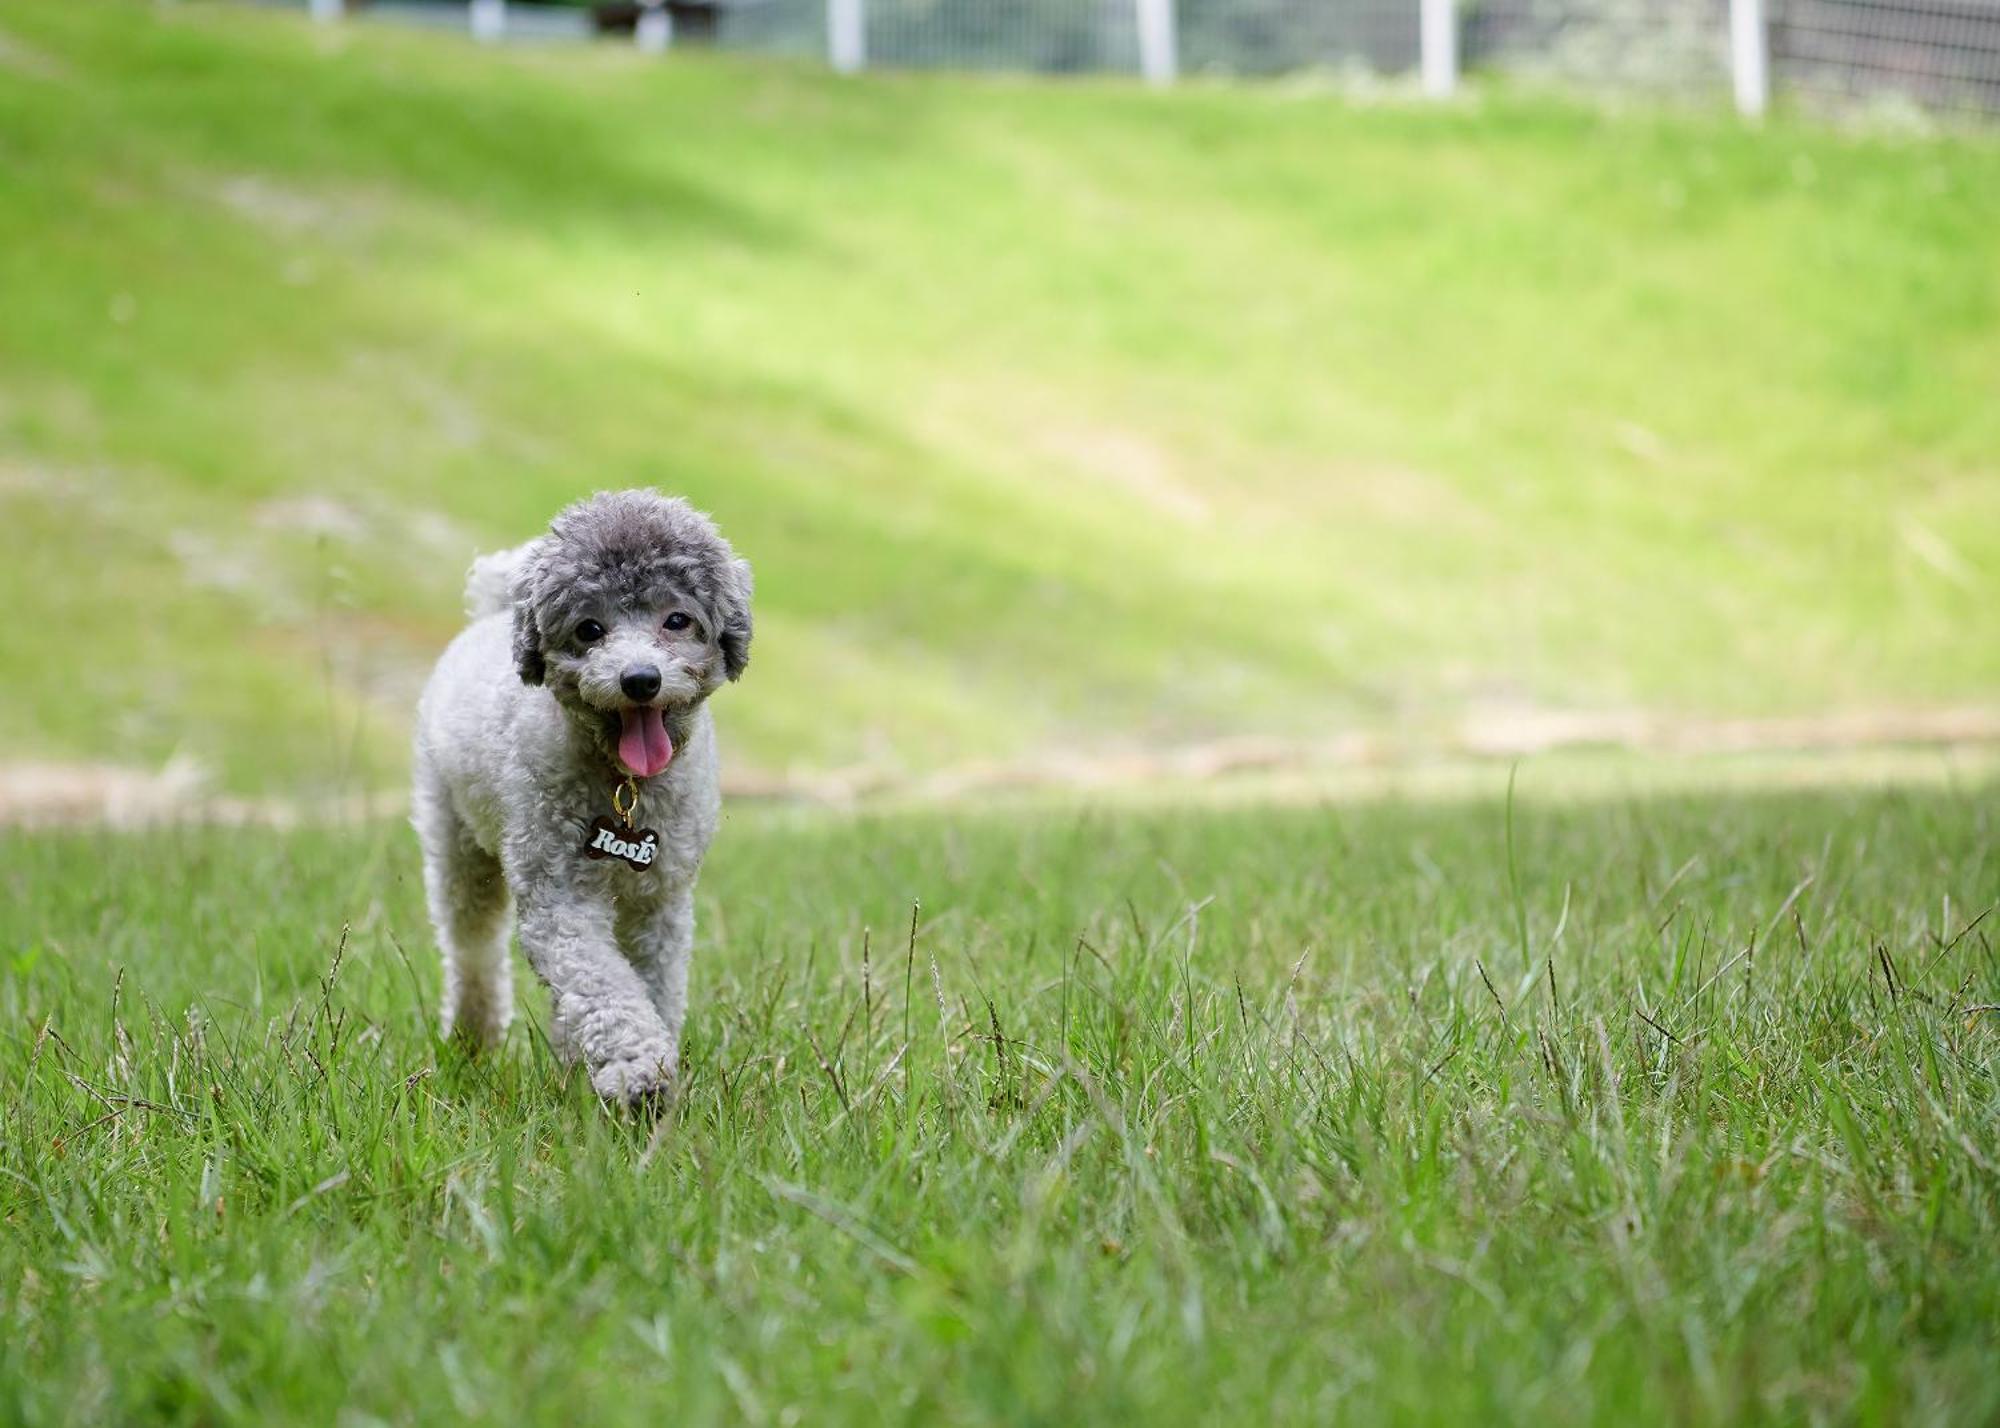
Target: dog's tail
<point>489,585</point>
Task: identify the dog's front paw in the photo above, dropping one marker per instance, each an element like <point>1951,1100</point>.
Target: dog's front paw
<point>634,1080</point>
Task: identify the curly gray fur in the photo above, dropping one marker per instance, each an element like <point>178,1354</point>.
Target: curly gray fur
<point>517,753</point>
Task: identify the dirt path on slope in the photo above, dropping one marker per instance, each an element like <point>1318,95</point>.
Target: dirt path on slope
<point>57,795</point>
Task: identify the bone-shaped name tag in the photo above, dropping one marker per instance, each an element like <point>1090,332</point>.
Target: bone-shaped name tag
<point>634,847</point>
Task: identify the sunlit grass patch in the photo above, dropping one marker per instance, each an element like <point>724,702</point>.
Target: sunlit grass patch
<point>1050,414</point>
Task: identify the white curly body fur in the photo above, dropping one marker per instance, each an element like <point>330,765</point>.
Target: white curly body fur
<point>504,798</point>
<point>512,767</point>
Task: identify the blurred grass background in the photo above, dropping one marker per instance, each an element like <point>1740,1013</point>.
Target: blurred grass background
<point>1050,414</point>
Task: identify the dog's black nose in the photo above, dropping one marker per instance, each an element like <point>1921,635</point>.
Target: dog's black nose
<point>641,682</point>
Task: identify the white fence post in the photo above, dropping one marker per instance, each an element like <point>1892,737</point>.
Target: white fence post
<point>846,35</point>
<point>1159,60</point>
<point>325,10</point>
<point>1749,57</point>
<point>489,19</point>
<point>655,29</point>
<point>1437,46</point>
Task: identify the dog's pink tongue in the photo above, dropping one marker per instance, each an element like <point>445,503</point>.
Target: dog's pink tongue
<point>643,745</point>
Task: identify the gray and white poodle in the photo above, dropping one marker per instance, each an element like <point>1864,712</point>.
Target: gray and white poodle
<point>583,676</point>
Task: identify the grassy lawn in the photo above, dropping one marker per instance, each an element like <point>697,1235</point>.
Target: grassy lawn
<point>1049,412</point>
<point>1674,1110</point>
<point>1055,417</point>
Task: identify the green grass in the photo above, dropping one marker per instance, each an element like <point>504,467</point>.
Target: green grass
<point>1048,412</point>
<point>1052,415</point>
<point>1604,1111</point>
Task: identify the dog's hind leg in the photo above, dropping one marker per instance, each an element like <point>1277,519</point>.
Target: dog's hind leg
<point>468,904</point>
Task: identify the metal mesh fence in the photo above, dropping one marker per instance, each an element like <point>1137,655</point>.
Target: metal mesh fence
<point>1651,46</point>
<point>793,27</point>
<point>1052,36</point>
<point>1274,36</point>
<point>1941,55</point>
<point>527,22</point>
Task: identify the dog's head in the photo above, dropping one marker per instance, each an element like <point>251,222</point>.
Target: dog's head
<point>632,610</point>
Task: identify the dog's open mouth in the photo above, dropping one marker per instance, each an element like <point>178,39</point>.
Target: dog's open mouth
<point>644,746</point>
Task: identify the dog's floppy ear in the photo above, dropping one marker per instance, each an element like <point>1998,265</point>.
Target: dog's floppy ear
<point>527,630</point>
<point>733,598</point>
<point>528,645</point>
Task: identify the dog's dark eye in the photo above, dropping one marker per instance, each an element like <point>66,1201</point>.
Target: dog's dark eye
<point>678,620</point>
<point>589,632</point>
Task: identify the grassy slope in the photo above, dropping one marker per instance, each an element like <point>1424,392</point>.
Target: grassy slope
<point>1258,1146</point>
<point>1044,410</point>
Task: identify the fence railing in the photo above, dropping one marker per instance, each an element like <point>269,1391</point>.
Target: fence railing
<point>1941,55</point>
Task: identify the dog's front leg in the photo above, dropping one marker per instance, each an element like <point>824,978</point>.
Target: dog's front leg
<point>602,1006</point>
<point>660,947</point>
